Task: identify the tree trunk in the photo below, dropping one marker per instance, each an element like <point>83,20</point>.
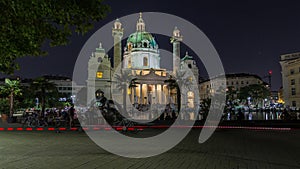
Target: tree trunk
<point>43,101</point>
<point>43,106</point>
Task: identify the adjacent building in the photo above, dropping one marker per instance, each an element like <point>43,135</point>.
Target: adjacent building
<point>233,81</point>
<point>65,86</point>
<point>290,71</point>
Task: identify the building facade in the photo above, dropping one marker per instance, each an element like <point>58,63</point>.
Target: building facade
<point>290,72</point>
<point>140,60</point>
<point>65,86</point>
<point>233,81</point>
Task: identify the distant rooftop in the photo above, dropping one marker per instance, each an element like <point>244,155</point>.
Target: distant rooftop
<point>290,56</point>
<point>49,77</point>
<point>56,77</point>
<point>232,75</point>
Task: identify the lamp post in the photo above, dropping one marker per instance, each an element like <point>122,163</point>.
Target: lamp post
<point>270,78</point>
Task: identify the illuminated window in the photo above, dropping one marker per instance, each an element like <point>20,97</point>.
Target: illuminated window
<point>145,60</point>
<point>99,75</point>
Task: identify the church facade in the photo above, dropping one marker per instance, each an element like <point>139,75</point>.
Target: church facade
<point>136,73</point>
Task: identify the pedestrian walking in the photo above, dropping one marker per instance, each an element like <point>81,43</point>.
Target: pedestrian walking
<point>71,116</point>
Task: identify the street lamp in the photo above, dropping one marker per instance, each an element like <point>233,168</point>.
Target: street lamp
<point>270,78</point>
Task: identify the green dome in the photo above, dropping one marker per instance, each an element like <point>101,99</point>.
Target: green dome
<point>141,39</point>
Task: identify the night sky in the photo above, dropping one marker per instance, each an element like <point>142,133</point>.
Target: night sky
<point>249,36</point>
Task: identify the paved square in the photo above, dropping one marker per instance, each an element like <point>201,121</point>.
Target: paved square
<point>226,149</point>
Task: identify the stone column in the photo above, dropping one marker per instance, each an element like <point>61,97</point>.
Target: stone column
<point>156,97</point>
<point>146,94</point>
<point>162,94</point>
<point>141,93</point>
<point>134,94</point>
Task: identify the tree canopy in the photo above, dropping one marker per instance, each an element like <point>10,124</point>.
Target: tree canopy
<point>12,89</point>
<point>28,25</point>
<point>257,92</point>
<point>44,89</point>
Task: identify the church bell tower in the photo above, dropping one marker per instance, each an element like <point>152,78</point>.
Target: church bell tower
<point>175,40</point>
<point>117,33</point>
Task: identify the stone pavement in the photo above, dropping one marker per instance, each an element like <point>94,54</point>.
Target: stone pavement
<point>5,124</point>
<point>226,149</point>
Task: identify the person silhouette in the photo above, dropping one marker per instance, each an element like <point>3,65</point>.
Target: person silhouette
<point>101,99</point>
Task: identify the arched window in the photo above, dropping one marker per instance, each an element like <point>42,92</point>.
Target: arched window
<point>145,44</point>
<point>145,61</point>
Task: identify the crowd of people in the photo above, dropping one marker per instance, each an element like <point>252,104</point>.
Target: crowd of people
<point>105,111</point>
<point>260,114</point>
<point>64,116</point>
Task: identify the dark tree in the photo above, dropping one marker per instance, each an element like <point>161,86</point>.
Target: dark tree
<point>44,90</point>
<point>11,88</point>
<point>25,26</point>
<point>257,92</point>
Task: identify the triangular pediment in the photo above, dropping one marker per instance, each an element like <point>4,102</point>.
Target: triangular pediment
<point>151,77</point>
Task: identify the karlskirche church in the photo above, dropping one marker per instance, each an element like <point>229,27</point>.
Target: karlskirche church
<point>139,61</point>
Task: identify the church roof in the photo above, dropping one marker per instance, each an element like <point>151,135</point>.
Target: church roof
<point>187,57</point>
<point>138,38</point>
